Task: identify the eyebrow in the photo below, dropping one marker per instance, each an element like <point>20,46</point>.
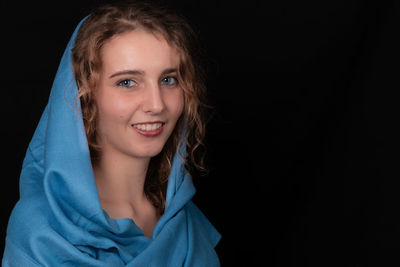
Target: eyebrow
<point>140,72</point>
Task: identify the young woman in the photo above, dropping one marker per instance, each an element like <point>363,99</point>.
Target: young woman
<point>105,181</point>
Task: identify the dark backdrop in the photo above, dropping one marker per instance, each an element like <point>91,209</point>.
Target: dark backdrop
<point>303,144</point>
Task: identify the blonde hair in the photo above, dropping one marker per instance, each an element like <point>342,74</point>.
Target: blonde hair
<point>109,20</point>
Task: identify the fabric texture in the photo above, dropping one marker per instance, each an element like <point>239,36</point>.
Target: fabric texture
<point>58,220</point>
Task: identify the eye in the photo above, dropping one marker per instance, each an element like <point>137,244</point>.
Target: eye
<point>127,83</point>
<point>169,81</point>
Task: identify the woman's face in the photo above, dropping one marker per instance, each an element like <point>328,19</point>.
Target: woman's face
<point>138,96</point>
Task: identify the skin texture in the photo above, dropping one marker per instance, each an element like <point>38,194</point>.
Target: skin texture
<point>137,84</point>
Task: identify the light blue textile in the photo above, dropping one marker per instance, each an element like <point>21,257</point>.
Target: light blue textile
<point>58,220</point>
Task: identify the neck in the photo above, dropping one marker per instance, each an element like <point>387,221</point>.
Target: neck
<point>120,177</point>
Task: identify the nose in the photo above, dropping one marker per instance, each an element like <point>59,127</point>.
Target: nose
<point>153,99</point>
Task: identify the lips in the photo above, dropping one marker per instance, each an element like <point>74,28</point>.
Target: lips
<point>149,129</point>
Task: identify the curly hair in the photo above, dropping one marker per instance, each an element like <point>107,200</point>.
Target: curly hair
<point>109,20</point>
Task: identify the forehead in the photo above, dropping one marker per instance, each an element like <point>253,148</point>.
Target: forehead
<point>138,49</point>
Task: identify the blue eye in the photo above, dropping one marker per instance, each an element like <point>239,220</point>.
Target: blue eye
<point>169,81</point>
<point>127,83</point>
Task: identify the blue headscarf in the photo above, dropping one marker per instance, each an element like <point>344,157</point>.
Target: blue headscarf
<point>58,220</point>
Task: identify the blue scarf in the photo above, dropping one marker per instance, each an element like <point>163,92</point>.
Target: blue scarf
<point>58,220</point>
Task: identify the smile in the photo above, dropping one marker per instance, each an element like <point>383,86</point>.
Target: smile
<point>149,129</point>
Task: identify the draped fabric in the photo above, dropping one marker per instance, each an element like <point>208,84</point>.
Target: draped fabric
<point>58,220</point>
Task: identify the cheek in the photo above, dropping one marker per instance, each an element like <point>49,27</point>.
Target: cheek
<point>176,103</point>
<point>112,109</point>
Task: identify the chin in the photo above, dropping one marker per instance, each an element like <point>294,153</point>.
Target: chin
<point>147,152</point>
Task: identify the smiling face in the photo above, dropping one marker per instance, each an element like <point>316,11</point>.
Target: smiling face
<point>138,95</point>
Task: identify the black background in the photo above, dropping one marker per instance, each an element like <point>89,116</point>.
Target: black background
<point>303,144</point>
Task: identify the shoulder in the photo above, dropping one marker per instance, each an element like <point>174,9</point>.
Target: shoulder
<point>28,218</point>
<point>202,225</point>
<point>26,224</point>
<point>34,239</point>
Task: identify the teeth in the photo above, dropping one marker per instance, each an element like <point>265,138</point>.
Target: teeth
<point>148,127</point>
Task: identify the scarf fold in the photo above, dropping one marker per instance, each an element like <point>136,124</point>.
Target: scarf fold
<point>58,220</point>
